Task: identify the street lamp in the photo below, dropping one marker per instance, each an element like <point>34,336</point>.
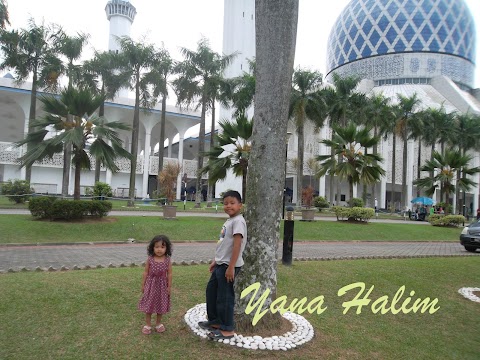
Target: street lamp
<point>289,134</point>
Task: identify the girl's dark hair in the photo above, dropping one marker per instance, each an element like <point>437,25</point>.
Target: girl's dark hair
<point>160,238</point>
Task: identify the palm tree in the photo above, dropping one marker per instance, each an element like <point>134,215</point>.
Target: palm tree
<point>466,135</point>
<point>239,92</point>
<point>100,76</point>
<point>377,111</point>
<point>71,48</point>
<point>446,166</point>
<point>138,59</point>
<point>408,107</point>
<point>343,104</point>
<point>198,74</point>
<point>231,151</point>
<point>83,130</point>
<point>32,51</point>
<point>305,104</point>
<point>162,69</point>
<point>3,14</point>
<point>438,129</point>
<point>276,32</point>
<point>356,166</point>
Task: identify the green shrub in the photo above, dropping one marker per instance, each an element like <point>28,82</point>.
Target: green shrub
<point>448,220</point>
<point>40,206</point>
<point>101,189</point>
<point>356,202</point>
<point>17,191</point>
<point>432,219</point>
<point>354,213</point>
<point>321,203</point>
<point>53,209</point>
<point>98,208</point>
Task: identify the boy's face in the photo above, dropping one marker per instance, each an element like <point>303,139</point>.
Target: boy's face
<point>232,206</point>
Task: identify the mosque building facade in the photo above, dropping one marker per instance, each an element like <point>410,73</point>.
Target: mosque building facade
<point>423,47</point>
<point>47,175</point>
<point>408,47</point>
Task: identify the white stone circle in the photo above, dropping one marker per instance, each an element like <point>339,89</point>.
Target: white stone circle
<point>302,332</point>
<point>468,293</point>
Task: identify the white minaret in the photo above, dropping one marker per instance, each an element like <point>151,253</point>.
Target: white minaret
<point>120,14</point>
<point>238,36</point>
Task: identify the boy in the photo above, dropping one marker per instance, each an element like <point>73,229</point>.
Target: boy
<point>228,262</point>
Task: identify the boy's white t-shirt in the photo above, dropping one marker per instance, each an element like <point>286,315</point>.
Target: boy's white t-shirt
<point>223,253</point>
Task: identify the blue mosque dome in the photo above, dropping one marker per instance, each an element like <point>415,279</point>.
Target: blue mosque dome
<point>394,39</point>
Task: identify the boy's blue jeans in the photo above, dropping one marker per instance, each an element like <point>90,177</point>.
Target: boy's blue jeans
<point>221,298</point>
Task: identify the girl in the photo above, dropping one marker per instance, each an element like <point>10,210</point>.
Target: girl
<point>156,283</point>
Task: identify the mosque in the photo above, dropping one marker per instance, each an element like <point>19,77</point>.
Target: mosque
<point>403,47</point>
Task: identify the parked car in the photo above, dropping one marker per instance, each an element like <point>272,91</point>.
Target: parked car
<point>470,237</point>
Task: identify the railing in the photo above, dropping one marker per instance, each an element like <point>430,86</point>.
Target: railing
<point>9,155</point>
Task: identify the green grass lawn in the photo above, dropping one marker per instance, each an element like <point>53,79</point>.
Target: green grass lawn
<point>92,314</point>
<point>26,230</point>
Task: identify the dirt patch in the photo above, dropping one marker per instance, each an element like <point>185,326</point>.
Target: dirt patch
<point>476,293</point>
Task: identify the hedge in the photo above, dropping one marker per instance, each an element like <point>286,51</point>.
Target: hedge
<point>353,213</point>
<point>53,209</point>
<point>446,220</point>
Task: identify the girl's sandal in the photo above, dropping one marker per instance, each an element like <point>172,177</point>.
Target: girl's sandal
<point>146,330</point>
<point>160,328</point>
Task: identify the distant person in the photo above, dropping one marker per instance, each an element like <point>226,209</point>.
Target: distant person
<point>478,214</point>
<point>156,283</point>
<point>432,210</point>
<point>220,295</point>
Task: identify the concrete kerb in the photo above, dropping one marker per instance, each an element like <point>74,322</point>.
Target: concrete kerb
<point>204,262</point>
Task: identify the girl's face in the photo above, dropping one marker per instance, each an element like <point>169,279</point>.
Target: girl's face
<point>160,248</point>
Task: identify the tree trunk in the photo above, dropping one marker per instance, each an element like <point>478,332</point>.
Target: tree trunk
<point>350,188</point>
<point>244,187</point>
<point>67,163</point>
<point>161,142</point>
<point>339,183</point>
<point>301,145</point>
<point>31,117</point>
<point>276,29</point>
<point>331,182</point>
<point>404,195</point>
<point>76,188</point>
<point>101,112</point>
<point>212,144</point>
<point>419,160</point>
<point>394,145</point>
<point>201,150</point>
<point>134,151</point>
<point>374,185</point>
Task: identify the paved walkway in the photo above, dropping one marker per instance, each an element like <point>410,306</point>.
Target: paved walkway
<point>31,257</point>
<point>45,256</point>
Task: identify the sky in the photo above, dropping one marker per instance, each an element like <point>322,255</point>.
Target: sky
<point>181,23</point>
